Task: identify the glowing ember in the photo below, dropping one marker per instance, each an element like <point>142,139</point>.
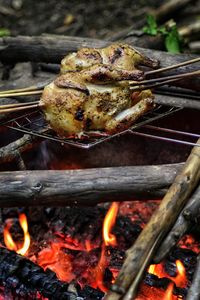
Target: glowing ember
<point>8,240</point>
<point>180,280</point>
<point>188,242</point>
<point>157,270</point>
<point>109,221</point>
<point>56,260</point>
<point>169,292</point>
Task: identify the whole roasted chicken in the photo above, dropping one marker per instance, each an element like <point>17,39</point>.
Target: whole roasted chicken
<point>93,92</point>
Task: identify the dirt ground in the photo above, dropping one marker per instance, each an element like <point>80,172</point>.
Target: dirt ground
<point>81,18</point>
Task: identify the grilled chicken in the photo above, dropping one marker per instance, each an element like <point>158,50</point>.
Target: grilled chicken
<point>93,92</point>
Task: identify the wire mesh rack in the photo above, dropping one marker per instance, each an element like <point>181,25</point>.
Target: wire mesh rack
<point>34,123</point>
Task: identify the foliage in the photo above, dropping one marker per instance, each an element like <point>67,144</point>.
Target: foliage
<point>4,32</point>
<point>170,34</point>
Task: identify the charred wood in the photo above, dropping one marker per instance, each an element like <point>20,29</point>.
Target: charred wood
<point>85,187</point>
<point>142,252</point>
<point>189,216</point>
<point>194,291</point>
<point>18,273</point>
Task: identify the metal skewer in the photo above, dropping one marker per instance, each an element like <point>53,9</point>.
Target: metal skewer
<point>185,63</point>
<point>164,79</point>
<point>17,94</point>
<point>39,86</point>
<point>139,87</point>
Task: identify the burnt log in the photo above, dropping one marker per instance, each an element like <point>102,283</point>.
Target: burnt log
<point>194,291</point>
<point>85,187</point>
<point>189,217</point>
<point>163,219</point>
<point>20,274</point>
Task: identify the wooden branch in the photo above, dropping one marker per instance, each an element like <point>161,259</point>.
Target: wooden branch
<point>169,9</point>
<point>157,228</point>
<point>189,216</point>
<point>11,151</point>
<point>86,186</point>
<point>194,291</point>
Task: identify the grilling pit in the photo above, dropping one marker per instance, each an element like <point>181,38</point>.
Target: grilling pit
<point>70,214</point>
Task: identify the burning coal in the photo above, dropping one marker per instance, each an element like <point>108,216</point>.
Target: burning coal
<point>70,250</point>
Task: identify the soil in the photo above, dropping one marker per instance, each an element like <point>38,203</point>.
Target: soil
<point>79,18</point>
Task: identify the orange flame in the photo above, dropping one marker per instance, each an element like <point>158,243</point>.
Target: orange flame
<point>100,270</point>
<point>169,292</point>
<point>180,279</point>
<point>8,240</point>
<point>108,224</point>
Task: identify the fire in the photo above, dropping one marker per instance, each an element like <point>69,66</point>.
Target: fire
<point>8,240</point>
<point>109,239</point>
<point>109,221</point>
<point>100,270</point>
<point>157,270</point>
<point>180,279</point>
<point>169,292</point>
<point>56,260</point>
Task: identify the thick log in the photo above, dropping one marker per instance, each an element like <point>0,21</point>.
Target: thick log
<point>142,251</point>
<point>194,291</point>
<point>189,217</point>
<point>86,186</point>
<point>52,49</point>
<point>177,101</point>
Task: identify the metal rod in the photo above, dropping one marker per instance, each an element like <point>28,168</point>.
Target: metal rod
<point>164,138</point>
<point>162,79</point>
<point>172,131</point>
<point>9,110</point>
<point>17,104</point>
<point>21,94</point>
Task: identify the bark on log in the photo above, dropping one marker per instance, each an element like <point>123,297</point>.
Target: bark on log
<point>85,187</point>
<point>161,222</point>
<point>188,217</point>
<point>194,291</point>
<point>176,101</point>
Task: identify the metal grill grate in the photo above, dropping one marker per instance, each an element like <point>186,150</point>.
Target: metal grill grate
<point>35,124</point>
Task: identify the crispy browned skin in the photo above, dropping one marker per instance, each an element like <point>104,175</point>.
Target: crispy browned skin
<point>116,55</point>
<point>93,93</point>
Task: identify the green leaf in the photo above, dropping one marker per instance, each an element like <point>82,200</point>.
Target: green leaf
<point>172,41</point>
<point>4,32</point>
<point>152,27</point>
